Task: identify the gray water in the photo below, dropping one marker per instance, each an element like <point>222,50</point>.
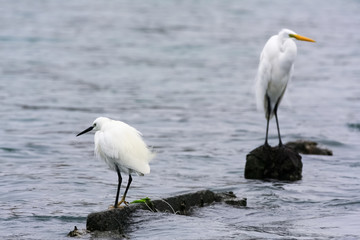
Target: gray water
<point>181,72</point>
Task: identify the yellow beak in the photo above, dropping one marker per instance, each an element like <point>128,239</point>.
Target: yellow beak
<point>301,38</point>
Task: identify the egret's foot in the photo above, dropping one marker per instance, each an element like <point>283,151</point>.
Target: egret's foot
<point>123,201</point>
<point>111,207</point>
<point>122,206</point>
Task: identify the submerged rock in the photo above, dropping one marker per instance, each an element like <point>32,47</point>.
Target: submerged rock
<point>281,163</point>
<point>76,232</point>
<point>308,147</point>
<point>118,219</point>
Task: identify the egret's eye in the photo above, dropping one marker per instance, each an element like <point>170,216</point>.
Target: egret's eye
<point>94,125</point>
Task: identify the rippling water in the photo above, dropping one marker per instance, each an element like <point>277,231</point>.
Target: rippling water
<point>182,73</point>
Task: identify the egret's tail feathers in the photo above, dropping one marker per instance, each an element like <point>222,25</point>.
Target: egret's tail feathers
<point>144,170</point>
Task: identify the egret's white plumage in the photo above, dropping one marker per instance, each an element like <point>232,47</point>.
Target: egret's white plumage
<point>274,72</point>
<point>117,143</point>
<point>122,148</point>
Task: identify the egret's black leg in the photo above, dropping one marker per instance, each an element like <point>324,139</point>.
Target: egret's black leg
<point>118,188</point>
<point>267,130</point>
<point>267,119</point>
<point>126,190</point>
<point>277,123</point>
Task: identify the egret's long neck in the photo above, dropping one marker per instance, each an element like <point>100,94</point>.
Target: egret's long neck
<point>288,53</point>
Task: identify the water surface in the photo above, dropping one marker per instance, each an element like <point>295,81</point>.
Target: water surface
<point>182,73</point>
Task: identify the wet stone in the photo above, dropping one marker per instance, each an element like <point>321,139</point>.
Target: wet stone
<point>282,163</point>
<point>236,202</point>
<point>77,233</point>
<point>308,147</point>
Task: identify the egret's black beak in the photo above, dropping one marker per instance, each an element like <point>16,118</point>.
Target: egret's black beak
<point>85,131</point>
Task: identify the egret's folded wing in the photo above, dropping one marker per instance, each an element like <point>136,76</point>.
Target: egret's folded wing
<point>262,81</point>
<point>124,146</point>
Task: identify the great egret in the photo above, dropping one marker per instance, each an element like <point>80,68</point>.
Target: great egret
<point>275,69</point>
<point>122,148</point>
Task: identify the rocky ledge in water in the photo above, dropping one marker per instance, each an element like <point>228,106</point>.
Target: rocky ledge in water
<point>308,147</point>
<point>119,218</point>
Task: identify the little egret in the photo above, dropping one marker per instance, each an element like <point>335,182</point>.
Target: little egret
<point>122,148</point>
<point>275,69</point>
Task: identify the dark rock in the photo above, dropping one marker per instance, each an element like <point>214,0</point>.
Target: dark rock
<point>308,147</point>
<point>76,232</point>
<point>182,204</point>
<point>231,199</point>
<point>114,219</point>
<point>119,218</point>
<point>236,202</point>
<point>73,233</point>
<point>354,126</point>
<point>281,163</point>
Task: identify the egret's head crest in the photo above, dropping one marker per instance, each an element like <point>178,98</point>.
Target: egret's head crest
<point>99,122</point>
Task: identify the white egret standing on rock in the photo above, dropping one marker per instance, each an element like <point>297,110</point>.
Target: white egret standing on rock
<point>122,148</point>
<point>275,69</point>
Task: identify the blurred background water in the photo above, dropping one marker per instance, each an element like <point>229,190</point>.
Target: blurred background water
<point>181,72</point>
